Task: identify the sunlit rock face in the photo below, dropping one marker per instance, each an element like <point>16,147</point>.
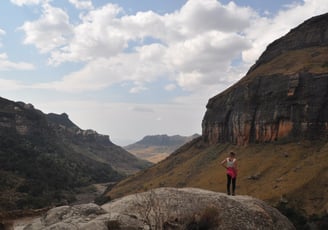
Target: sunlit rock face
<point>283,96</point>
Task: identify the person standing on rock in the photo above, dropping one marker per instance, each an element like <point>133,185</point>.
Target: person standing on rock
<point>230,163</point>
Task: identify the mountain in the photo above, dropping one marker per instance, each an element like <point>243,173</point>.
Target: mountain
<point>96,146</point>
<point>155,148</point>
<point>276,120</point>
<point>44,158</point>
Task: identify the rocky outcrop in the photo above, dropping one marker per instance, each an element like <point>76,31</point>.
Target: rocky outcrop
<point>283,96</point>
<point>167,208</point>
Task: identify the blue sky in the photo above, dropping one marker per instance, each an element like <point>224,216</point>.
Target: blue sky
<point>136,67</point>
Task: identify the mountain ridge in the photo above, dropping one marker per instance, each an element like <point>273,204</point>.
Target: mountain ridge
<point>155,148</point>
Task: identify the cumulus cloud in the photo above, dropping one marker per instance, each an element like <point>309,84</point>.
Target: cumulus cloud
<point>50,31</point>
<point>98,35</point>
<point>198,16</point>
<point>194,47</point>
<point>187,52</point>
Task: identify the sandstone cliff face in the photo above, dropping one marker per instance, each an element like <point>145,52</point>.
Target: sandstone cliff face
<point>167,208</point>
<point>283,96</point>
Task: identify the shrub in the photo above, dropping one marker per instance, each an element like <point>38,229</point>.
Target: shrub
<point>208,219</point>
<point>113,225</point>
<point>100,200</point>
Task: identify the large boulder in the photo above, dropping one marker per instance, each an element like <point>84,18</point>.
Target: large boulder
<point>168,208</point>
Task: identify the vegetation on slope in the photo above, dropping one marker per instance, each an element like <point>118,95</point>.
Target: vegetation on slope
<point>35,175</point>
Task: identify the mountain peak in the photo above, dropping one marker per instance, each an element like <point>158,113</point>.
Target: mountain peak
<point>313,32</point>
<point>61,119</point>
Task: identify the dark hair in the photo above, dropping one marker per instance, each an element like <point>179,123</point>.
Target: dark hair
<point>232,153</point>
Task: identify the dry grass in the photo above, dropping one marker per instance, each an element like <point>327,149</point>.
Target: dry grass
<point>152,153</point>
<point>314,60</point>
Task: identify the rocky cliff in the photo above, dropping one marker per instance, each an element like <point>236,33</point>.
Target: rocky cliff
<point>284,96</point>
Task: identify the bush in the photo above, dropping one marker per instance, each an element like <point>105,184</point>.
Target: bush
<point>100,200</point>
<point>113,225</point>
<point>208,219</point>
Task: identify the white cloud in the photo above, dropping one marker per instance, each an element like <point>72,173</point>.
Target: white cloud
<point>80,4</point>
<point>205,59</point>
<point>50,31</point>
<point>198,16</point>
<point>194,47</point>
<point>98,35</point>
<point>102,36</point>
<point>143,66</point>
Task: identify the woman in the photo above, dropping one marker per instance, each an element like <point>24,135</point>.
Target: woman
<point>230,163</point>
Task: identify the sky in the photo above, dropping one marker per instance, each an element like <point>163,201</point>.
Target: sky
<point>132,68</point>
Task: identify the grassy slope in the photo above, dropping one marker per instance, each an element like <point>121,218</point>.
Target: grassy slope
<point>313,59</point>
<point>291,177</point>
<point>153,154</point>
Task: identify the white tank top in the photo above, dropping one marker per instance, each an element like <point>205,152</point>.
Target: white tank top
<point>230,163</point>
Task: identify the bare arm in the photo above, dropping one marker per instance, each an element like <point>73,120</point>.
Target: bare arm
<point>223,163</point>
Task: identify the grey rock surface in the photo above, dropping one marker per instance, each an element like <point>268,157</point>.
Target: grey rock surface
<point>166,208</point>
